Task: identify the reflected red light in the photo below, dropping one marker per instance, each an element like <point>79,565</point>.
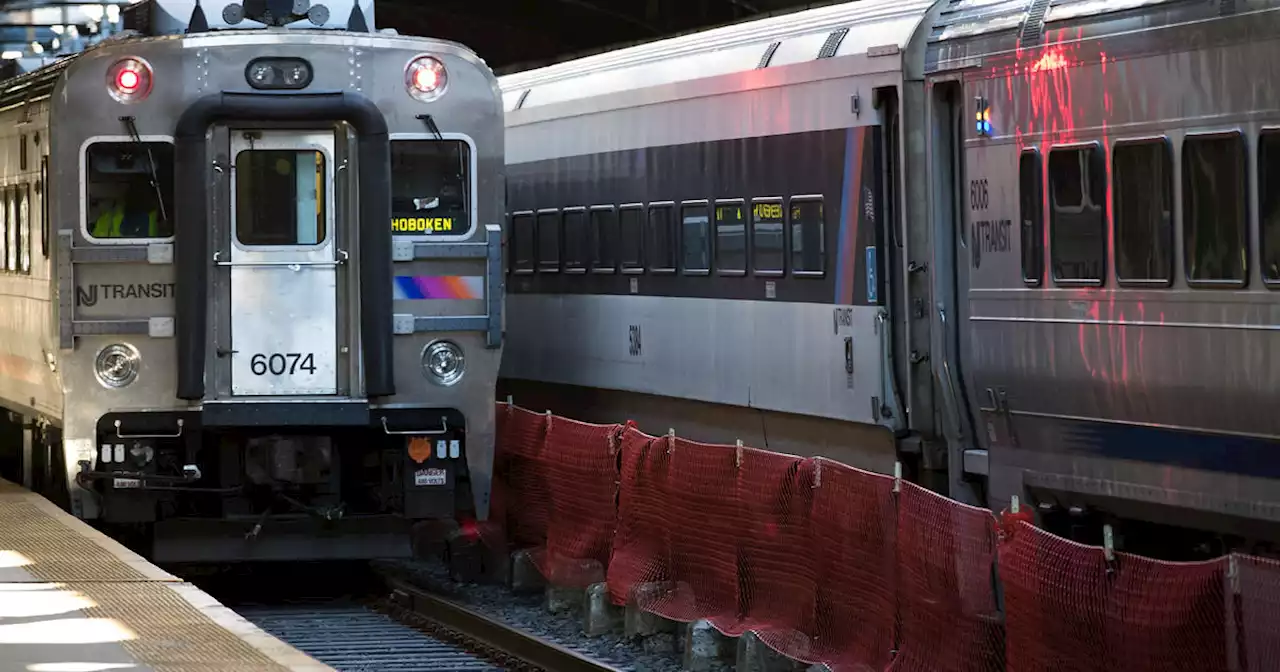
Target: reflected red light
<point>469,529</point>
<point>1051,60</point>
<point>128,80</point>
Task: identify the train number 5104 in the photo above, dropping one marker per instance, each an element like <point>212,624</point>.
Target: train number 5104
<point>280,364</point>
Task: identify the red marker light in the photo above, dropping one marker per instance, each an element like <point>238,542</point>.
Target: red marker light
<point>425,78</point>
<point>127,80</point>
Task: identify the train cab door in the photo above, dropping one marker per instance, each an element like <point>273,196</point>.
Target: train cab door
<point>284,261</point>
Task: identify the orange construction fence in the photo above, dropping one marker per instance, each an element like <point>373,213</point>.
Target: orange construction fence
<point>860,571</point>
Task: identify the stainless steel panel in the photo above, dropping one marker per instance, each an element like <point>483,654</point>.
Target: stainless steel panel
<point>284,297</point>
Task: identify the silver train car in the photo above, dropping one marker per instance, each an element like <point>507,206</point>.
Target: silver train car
<point>252,281</point>
<point>1020,247</point>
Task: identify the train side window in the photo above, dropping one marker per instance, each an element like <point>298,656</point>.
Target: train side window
<point>631,235</point>
<point>604,239</point>
<point>731,237</point>
<point>45,219</point>
<point>24,227</point>
<point>430,187</point>
<point>767,236</point>
<point>1215,242</point>
<point>1142,187</point>
<point>523,241</point>
<point>808,231</point>
<point>695,238</point>
<point>661,239</point>
<point>15,229</point>
<point>5,234</point>
<point>1031,212</point>
<point>280,197</point>
<point>549,241</point>
<point>1269,204</point>
<point>120,199</point>
<point>1077,196</point>
<point>577,243</point>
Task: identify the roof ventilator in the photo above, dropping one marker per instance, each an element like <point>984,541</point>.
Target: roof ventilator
<point>832,45</point>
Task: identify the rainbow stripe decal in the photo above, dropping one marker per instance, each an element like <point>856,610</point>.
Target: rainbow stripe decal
<point>418,287</point>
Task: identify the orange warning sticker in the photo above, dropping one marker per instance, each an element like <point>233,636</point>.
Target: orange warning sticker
<point>419,449</point>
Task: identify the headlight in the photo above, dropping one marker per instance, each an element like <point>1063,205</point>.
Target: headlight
<point>443,362</point>
<point>117,365</point>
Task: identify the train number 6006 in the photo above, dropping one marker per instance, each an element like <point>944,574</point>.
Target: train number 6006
<point>280,364</point>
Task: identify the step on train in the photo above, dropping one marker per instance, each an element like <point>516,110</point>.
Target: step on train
<point>251,280</point>
<point>1021,248</point>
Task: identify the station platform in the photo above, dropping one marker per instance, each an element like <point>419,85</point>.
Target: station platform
<point>74,600</point>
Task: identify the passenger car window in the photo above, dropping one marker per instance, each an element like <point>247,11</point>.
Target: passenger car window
<point>1269,203</point>
<point>631,225</point>
<point>1141,174</point>
<point>121,200</point>
<point>24,227</point>
<point>1077,188</point>
<point>1215,238</point>
<point>522,242</point>
<point>661,239</point>
<point>604,238</point>
<point>280,197</point>
<point>731,238</point>
<point>696,240</point>
<point>430,187</point>
<point>1031,213</point>
<point>766,236</point>
<point>549,241</point>
<point>15,229</point>
<point>808,228</point>
<point>577,243</point>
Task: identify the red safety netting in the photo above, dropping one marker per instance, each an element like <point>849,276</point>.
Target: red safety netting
<point>853,540</point>
<point>1068,609</point>
<point>676,549</point>
<point>946,595</point>
<point>555,487</point>
<point>1257,613</point>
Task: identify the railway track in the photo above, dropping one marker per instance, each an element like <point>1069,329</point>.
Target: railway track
<point>387,623</point>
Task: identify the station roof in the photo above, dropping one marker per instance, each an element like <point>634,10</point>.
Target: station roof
<point>513,35</point>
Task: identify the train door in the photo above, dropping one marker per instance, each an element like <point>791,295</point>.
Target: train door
<point>952,256</point>
<point>283,257</point>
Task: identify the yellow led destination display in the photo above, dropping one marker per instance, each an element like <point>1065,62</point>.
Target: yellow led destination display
<point>421,225</point>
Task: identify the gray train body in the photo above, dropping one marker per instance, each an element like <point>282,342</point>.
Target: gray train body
<point>299,360</point>
<point>1044,270</point>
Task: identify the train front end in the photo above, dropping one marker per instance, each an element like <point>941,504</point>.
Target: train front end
<point>278,269</point>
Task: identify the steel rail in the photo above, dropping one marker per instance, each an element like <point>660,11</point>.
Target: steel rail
<point>525,649</point>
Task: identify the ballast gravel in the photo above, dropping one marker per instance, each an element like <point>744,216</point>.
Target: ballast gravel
<point>657,653</point>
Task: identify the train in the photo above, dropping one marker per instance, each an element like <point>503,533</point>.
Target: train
<point>1018,250</point>
<point>252,281</point>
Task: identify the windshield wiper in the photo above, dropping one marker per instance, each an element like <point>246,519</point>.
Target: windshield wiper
<point>132,127</point>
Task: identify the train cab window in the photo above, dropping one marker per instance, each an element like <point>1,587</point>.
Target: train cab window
<point>1142,188</point>
<point>1269,204</point>
<point>661,239</point>
<point>549,241</point>
<point>280,197</point>
<point>767,236</point>
<point>129,190</point>
<point>808,228</point>
<point>430,187</point>
<point>1031,212</point>
<point>604,239</point>
<point>577,243</point>
<point>1077,196</point>
<point>523,237</point>
<point>1215,242</point>
<point>731,238</point>
<point>24,228</point>
<point>631,230</point>
<point>695,238</point>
